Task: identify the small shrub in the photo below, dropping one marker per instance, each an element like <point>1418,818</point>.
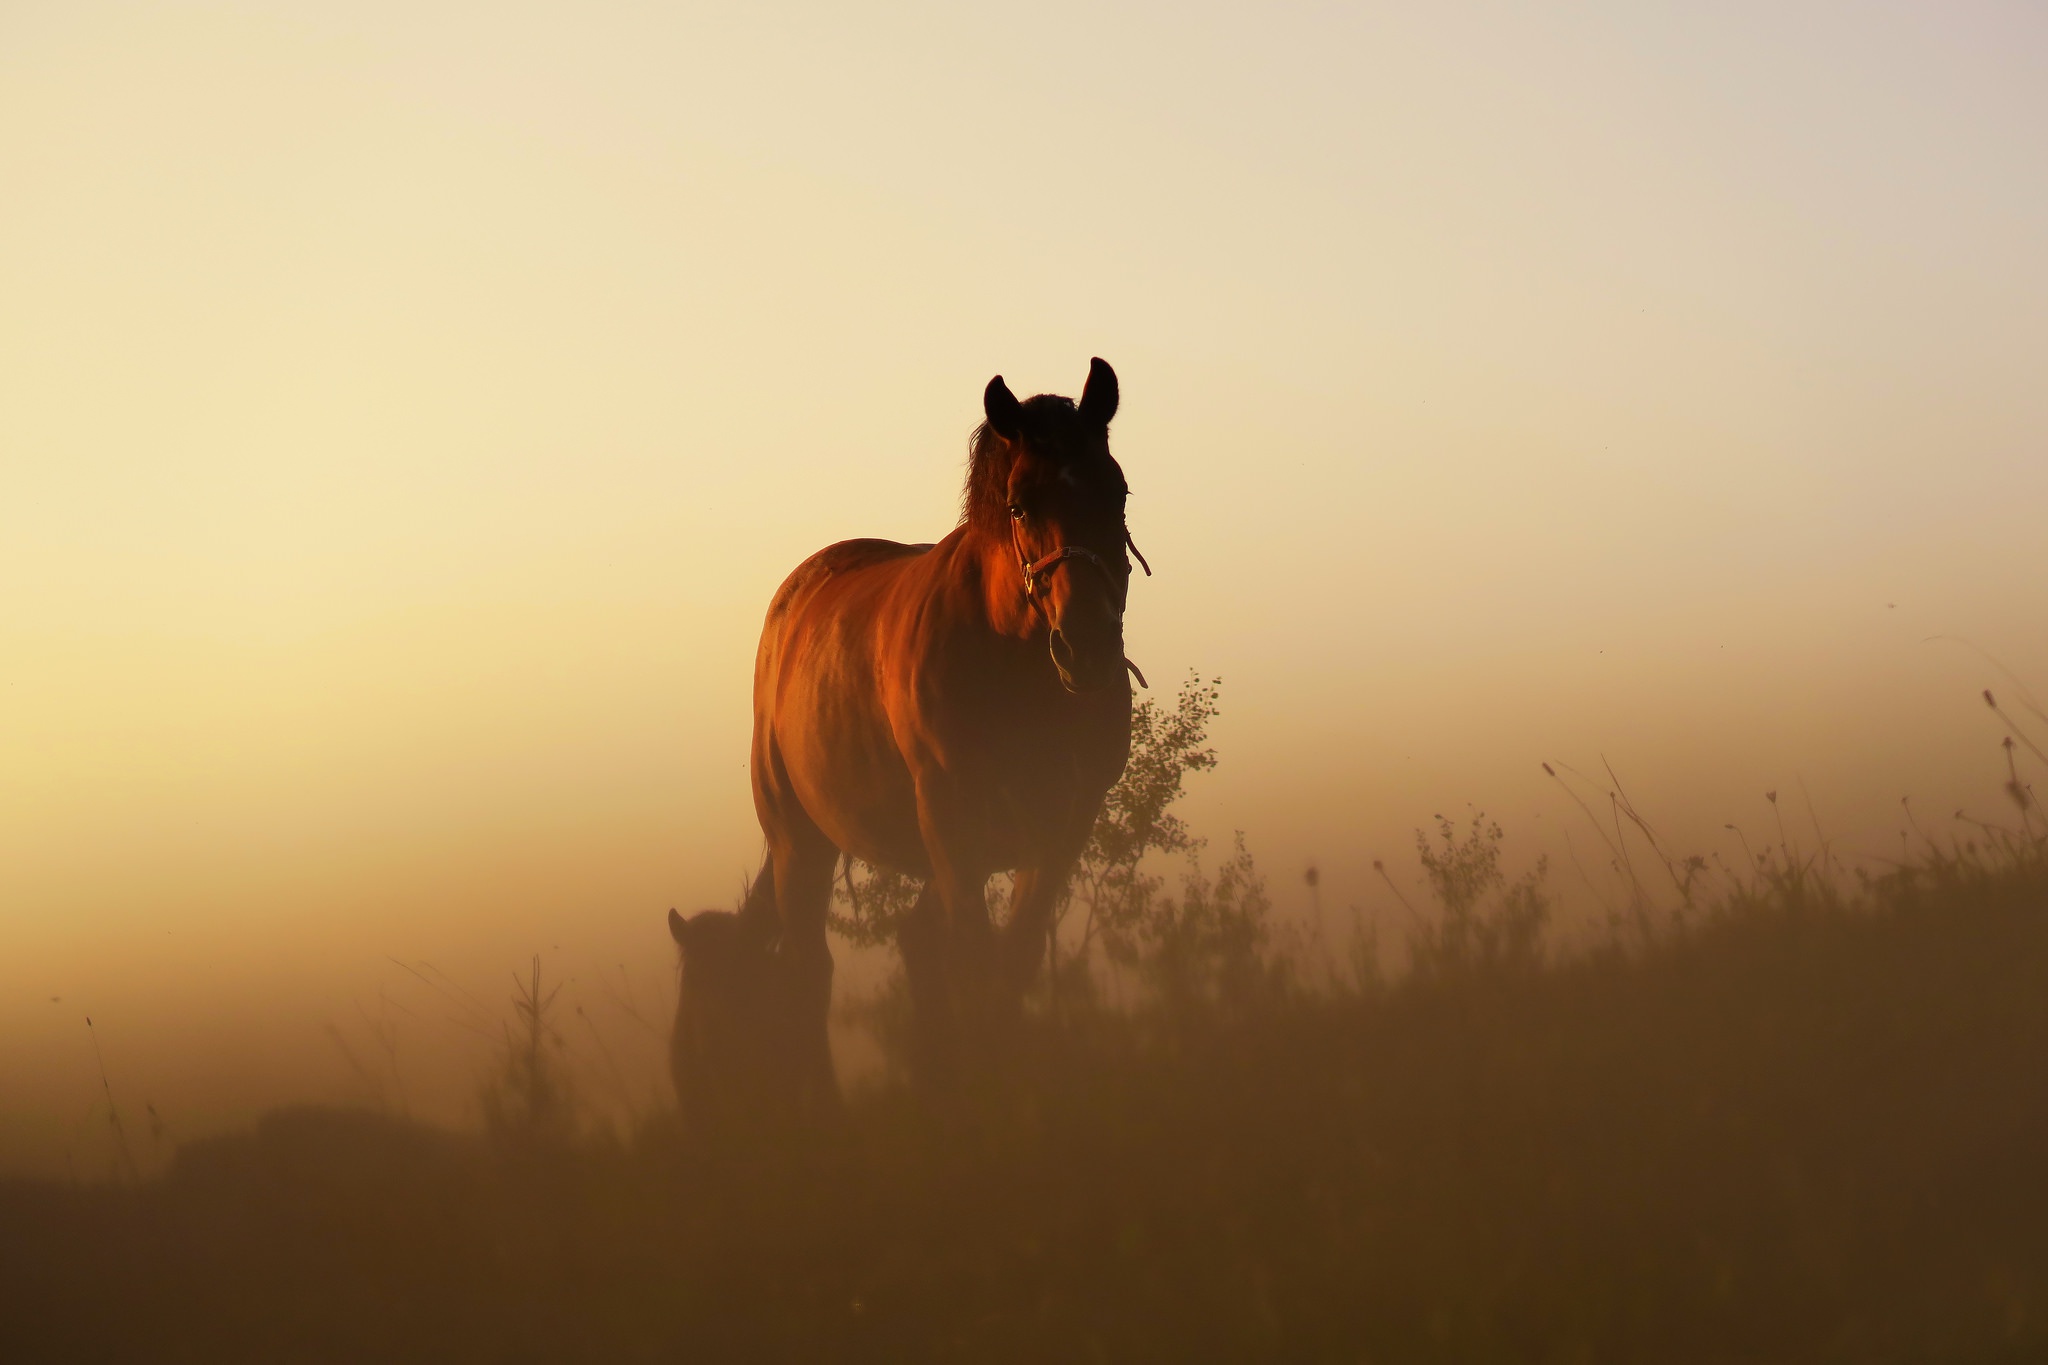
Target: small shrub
<point>1486,922</point>
<point>1208,945</point>
<point>877,900</point>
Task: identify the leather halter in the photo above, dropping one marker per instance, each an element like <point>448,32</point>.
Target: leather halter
<point>1036,571</point>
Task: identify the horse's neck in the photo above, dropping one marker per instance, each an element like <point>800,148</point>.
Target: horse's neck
<point>987,563</point>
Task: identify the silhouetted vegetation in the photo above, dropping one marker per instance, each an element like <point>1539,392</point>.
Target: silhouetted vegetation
<point>528,1100</point>
<point>1485,922</point>
<point>1780,1111</point>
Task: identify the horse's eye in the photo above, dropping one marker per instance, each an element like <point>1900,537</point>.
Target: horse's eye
<point>1016,511</point>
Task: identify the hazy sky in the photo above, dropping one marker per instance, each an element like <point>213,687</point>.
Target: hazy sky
<point>407,410</point>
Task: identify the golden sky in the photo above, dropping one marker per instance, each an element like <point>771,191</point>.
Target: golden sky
<point>406,411</point>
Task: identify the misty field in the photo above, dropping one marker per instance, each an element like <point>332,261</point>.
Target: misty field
<point>1797,1115</point>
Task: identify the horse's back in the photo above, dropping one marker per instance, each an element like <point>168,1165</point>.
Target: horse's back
<point>847,570</point>
<point>832,562</point>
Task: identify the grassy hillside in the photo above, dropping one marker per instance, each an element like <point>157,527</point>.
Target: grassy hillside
<point>1812,1126</point>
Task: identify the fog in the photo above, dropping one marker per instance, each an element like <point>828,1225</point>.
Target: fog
<point>407,412</point>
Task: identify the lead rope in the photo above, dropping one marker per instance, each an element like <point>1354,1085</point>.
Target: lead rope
<point>1136,551</point>
<point>1137,672</point>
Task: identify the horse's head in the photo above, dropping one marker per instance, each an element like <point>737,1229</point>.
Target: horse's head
<point>1059,497</point>
<point>727,1046</point>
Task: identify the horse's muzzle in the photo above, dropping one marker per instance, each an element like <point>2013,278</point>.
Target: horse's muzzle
<point>1085,672</point>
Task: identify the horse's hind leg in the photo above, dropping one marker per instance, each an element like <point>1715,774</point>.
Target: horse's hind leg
<point>804,861</point>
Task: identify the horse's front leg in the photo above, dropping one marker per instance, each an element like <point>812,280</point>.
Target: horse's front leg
<point>922,940</point>
<point>1053,848</point>
<point>948,946</point>
<point>1026,937</point>
<point>956,843</point>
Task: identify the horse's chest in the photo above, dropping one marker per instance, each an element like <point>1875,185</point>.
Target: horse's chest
<point>1041,769</point>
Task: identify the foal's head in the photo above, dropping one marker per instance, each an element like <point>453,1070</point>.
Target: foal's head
<point>1042,483</point>
<point>726,1049</point>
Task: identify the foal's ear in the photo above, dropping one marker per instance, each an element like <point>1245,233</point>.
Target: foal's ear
<point>1005,413</point>
<point>677,925</point>
<point>1098,399</point>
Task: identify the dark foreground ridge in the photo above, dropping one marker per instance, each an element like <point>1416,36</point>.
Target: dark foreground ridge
<point>1801,1131</point>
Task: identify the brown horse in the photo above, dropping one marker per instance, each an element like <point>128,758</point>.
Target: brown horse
<point>949,711</point>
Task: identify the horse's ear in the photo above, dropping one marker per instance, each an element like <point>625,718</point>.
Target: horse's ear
<point>677,925</point>
<point>1098,400</point>
<point>1005,413</point>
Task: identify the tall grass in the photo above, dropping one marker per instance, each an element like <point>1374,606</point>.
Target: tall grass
<point>1779,1110</point>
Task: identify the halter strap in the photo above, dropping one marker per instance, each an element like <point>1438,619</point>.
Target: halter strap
<point>1038,570</point>
<point>1035,571</point>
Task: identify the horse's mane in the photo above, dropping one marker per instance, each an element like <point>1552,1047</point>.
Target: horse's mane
<point>985,505</point>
